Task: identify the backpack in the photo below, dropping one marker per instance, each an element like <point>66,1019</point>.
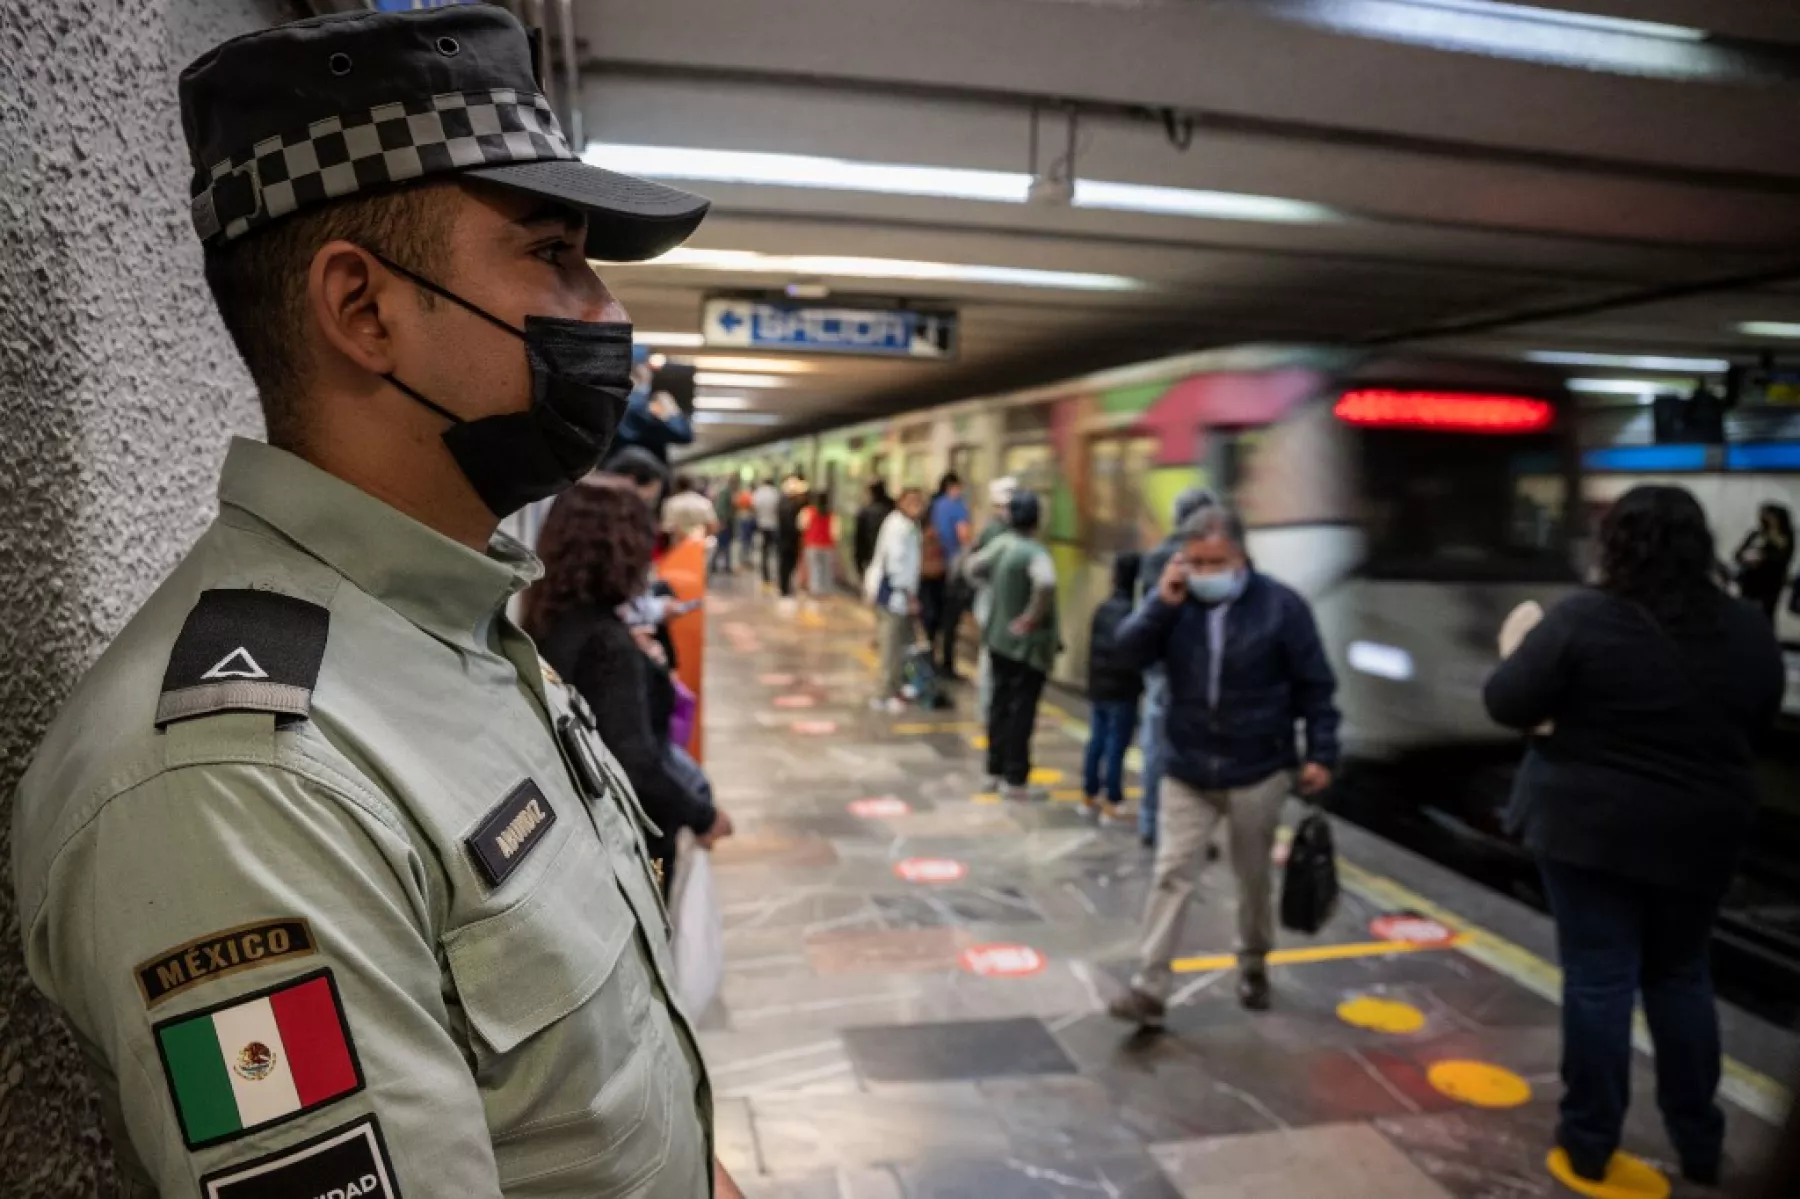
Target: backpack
<point>933,562</point>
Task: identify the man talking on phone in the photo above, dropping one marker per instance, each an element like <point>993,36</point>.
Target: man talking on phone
<point>1244,666</point>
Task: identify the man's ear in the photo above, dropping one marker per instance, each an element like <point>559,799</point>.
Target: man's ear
<point>353,301</point>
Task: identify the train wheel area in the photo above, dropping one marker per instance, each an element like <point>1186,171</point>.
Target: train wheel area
<point>918,970</point>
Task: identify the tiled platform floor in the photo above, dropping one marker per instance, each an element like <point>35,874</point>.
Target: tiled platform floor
<point>855,1056</point>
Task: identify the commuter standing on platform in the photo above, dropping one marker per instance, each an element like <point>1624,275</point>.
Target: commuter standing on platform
<point>327,870</point>
<point>869,520</point>
<point>819,539</point>
<point>1638,801</point>
<point>1765,557</point>
<point>1156,680</point>
<point>787,532</point>
<point>950,525</point>
<point>724,503</point>
<point>1023,638</point>
<point>891,583</point>
<point>686,512</point>
<point>765,505</point>
<point>1114,688</point>
<point>1000,494</point>
<point>1244,665</point>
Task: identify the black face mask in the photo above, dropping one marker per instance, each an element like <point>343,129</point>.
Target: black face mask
<point>580,381</point>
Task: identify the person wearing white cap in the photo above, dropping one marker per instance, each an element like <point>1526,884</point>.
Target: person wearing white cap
<point>1000,494</point>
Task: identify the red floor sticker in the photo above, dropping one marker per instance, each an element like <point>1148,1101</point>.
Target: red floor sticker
<point>795,701</point>
<point>815,728</point>
<point>876,807</point>
<point>776,680</point>
<point>1002,961</point>
<point>1414,930</point>
<point>930,870</point>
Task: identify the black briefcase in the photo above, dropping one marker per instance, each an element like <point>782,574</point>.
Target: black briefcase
<point>1309,888</point>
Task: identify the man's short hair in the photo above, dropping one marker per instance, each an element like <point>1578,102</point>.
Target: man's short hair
<point>637,464</point>
<point>258,283</point>
<point>1213,520</point>
<point>1191,501</point>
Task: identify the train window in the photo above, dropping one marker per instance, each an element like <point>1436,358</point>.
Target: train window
<point>965,461</point>
<point>1033,464</point>
<point>1117,516</point>
<point>1450,506</point>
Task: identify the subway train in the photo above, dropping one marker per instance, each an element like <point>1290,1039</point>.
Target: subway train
<point>1414,500</point>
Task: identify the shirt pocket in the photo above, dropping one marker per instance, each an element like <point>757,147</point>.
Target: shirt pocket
<point>557,995</point>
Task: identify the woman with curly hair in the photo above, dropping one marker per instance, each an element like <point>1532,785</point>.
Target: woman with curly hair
<point>596,546</point>
<point>1637,802</point>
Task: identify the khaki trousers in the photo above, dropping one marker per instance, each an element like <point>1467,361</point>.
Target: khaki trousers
<point>1185,824</point>
<point>896,638</point>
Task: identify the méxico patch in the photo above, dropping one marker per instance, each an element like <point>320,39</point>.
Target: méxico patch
<point>349,1162</point>
<point>259,1060</point>
<point>218,954</point>
<point>505,835</point>
<point>244,650</point>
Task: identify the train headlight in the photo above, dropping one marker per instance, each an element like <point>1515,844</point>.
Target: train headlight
<point>1382,661</point>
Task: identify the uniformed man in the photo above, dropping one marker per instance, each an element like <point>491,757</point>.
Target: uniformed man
<point>335,884</point>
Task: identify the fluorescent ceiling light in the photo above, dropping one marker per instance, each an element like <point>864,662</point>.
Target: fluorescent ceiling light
<point>751,363</point>
<point>1382,661</point>
<point>1630,362</point>
<point>955,183</point>
<point>672,340</point>
<point>845,267</point>
<point>1580,20</point>
<point>736,418</point>
<point>728,379</point>
<point>1769,329</point>
<point>722,403</point>
<point>1182,201</point>
<point>1627,387</point>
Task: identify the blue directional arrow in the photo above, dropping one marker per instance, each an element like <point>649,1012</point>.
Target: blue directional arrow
<point>731,321</point>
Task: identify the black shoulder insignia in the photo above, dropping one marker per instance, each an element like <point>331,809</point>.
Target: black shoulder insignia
<point>245,651</point>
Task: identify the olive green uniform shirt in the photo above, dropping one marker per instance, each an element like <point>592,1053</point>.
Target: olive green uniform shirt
<point>514,1038</point>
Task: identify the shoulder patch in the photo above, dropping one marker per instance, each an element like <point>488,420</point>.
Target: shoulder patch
<point>349,1162</point>
<point>245,650</point>
<point>509,832</point>
<point>218,954</point>
<point>259,1060</point>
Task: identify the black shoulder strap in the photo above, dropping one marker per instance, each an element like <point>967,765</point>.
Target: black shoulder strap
<point>245,651</point>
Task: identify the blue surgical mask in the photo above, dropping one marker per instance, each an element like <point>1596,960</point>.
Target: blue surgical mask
<point>1215,588</point>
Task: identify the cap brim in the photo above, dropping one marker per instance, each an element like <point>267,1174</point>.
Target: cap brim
<point>629,219</point>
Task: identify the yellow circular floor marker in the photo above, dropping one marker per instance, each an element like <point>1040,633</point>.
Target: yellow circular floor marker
<point>1627,1177</point>
<point>1045,776</point>
<point>1479,1084</point>
<point>986,797</point>
<point>1381,1015</point>
<point>978,741</point>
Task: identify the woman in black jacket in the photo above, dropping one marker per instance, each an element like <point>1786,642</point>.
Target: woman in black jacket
<point>1765,557</point>
<point>1637,802</point>
<point>596,547</point>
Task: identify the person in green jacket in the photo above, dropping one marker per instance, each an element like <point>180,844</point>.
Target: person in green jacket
<point>1000,494</point>
<point>1021,636</point>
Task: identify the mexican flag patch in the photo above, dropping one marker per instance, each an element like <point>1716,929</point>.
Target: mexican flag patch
<point>258,1060</point>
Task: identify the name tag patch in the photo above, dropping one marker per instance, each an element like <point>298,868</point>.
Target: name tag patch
<point>509,832</point>
<point>349,1162</point>
<point>218,954</point>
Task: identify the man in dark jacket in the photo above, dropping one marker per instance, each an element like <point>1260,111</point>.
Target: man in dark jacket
<point>1156,684</point>
<point>868,524</point>
<point>1113,690</point>
<point>1244,663</point>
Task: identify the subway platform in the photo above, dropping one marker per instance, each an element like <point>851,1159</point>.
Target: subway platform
<point>916,976</point>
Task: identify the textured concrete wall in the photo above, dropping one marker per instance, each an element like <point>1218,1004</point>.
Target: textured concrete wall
<point>118,390</point>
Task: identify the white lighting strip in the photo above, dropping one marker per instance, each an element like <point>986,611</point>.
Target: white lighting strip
<point>722,403</point>
<point>751,363</point>
<point>843,267</point>
<point>1643,390</point>
<point>954,183</point>
<point>1579,20</point>
<point>680,341</point>
<point>1769,329</point>
<point>728,379</point>
<point>1630,362</point>
<point>736,418</point>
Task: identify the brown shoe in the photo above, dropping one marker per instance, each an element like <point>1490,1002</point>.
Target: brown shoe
<point>1135,1007</point>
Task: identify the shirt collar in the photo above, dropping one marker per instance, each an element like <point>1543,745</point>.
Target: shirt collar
<point>441,585</point>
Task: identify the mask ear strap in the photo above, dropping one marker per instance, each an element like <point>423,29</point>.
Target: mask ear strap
<point>435,289</point>
<point>405,390</point>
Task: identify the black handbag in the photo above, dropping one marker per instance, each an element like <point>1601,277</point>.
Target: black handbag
<point>1309,887</point>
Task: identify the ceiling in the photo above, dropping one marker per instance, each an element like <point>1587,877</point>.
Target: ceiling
<point>1496,177</point>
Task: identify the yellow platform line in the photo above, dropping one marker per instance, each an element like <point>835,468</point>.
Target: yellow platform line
<point>1316,953</point>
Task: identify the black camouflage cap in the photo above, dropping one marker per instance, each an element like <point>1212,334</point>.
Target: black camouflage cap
<point>286,118</point>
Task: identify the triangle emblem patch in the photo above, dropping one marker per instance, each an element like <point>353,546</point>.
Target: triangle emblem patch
<point>238,664</point>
